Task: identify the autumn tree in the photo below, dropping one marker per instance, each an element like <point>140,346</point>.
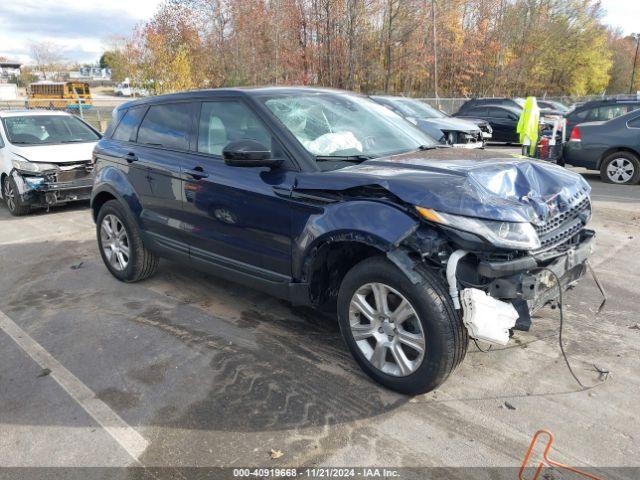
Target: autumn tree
<point>486,47</point>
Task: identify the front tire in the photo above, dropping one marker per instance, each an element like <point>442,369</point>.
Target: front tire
<point>120,244</point>
<point>622,168</point>
<point>12,199</point>
<point>406,336</point>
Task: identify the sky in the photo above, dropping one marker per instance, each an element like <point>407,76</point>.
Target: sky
<point>82,27</point>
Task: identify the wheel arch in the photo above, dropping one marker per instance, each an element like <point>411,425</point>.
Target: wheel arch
<point>330,261</point>
<point>112,184</point>
<point>613,150</point>
<point>328,245</point>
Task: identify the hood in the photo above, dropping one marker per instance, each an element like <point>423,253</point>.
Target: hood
<point>65,153</point>
<point>470,183</point>
<point>448,124</point>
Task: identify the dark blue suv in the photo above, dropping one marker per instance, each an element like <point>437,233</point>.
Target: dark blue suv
<point>326,199</point>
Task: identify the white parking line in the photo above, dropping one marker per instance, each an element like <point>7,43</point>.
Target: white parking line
<point>126,436</point>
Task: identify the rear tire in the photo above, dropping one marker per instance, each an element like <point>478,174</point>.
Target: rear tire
<point>622,168</point>
<point>12,199</point>
<point>445,338</point>
<point>120,244</point>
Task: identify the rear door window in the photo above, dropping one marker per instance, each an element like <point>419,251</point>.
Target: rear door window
<point>126,129</point>
<point>166,126</point>
<point>582,115</point>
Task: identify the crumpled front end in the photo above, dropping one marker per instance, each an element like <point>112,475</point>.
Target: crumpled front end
<point>464,139</point>
<point>484,280</point>
<point>68,183</point>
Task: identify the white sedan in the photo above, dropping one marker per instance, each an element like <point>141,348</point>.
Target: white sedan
<point>45,159</point>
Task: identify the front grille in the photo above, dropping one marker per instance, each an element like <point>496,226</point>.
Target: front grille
<point>561,228</point>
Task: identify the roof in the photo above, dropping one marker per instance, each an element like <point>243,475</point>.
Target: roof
<point>511,108</point>
<point>10,64</point>
<point>610,101</point>
<point>26,112</point>
<point>246,91</point>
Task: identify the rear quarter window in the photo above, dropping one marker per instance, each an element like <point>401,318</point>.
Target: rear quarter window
<point>126,129</point>
<point>581,115</point>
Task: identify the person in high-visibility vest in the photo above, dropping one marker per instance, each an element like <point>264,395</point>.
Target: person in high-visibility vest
<point>528,126</point>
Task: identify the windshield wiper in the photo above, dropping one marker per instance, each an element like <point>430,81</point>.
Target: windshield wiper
<point>74,141</point>
<point>432,147</point>
<point>343,158</point>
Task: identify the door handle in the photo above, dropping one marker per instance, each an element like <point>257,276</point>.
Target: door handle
<point>197,173</point>
<point>130,157</point>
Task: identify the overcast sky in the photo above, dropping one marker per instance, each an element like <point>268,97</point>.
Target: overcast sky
<point>82,27</point>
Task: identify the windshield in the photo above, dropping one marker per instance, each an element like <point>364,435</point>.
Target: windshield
<point>47,130</point>
<point>338,125</point>
<point>416,108</point>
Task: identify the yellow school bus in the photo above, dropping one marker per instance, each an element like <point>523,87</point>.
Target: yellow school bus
<point>59,95</point>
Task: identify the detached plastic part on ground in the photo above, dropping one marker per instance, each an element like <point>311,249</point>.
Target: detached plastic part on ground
<point>487,319</point>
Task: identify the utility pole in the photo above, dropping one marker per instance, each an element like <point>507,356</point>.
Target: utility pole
<point>635,61</point>
<point>435,53</point>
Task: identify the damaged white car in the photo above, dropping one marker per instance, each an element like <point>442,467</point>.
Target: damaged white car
<point>45,159</point>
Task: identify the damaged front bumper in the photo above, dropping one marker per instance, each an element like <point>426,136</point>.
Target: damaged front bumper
<point>530,282</point>
<point>45,190</point>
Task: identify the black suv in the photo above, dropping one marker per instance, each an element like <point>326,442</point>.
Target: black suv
<point>329,200</point>
<point>501,101</point>
<point>601,111</point>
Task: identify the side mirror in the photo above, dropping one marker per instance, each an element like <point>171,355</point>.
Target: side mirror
<point>248,153</point>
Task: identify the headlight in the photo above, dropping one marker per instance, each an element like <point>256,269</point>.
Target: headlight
<point>511,235</point>
<point>32,167</point>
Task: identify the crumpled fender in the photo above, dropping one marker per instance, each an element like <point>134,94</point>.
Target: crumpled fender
<point>372,223</point>
<point>20,183</point>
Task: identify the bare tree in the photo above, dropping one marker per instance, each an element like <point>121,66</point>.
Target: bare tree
<point>47,57</point>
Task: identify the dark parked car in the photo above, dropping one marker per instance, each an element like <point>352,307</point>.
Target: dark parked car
<point>503,120</point>
<point>466,133</point>
<point>517,103</point>
<point>600,110</point>
<point>329,200</point>
<point>502,101</point>
<point>611,147</point>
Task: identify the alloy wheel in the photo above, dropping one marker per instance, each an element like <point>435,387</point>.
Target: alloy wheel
<point>9,195</point>
<point>386,329</point>
<point>115,242</point>
<point>620,170</point>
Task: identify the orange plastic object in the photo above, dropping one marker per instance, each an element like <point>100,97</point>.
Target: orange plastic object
<point>547,462</point>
